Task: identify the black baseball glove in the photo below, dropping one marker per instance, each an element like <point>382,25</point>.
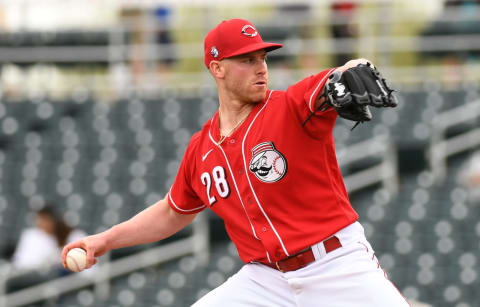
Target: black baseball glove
<point>351,93</point>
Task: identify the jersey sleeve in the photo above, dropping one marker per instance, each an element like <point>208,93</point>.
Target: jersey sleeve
<point>301,99</point>
<point>182,197</point>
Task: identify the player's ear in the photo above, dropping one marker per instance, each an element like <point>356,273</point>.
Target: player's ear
<point>217,69</point>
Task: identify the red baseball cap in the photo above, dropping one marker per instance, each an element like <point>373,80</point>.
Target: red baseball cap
<point>234,37</point>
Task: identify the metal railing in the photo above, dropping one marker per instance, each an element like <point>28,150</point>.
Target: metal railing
<point>292,47</point>
<point>441,146</point>
<point>384,171</point>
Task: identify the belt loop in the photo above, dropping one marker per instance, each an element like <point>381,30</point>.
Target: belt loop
<point>316,251</point>
<point>321,249</point>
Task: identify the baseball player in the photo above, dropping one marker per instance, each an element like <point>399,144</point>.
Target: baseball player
<point>266,164</point>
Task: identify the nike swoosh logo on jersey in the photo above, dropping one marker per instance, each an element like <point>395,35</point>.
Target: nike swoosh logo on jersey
<point>206,155</point>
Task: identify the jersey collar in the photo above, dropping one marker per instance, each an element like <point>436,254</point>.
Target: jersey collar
<point>214,129</point>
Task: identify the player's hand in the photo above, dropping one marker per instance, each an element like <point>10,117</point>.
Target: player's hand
<point>95,246</point>
<point>354,63</point>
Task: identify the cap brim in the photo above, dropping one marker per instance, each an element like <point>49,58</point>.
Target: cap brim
<point>255,47</point>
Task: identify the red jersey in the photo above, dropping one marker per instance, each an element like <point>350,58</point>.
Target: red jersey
<point>275,183</point>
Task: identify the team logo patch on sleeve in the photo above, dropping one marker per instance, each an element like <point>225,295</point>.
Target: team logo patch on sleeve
<point>267,163</point>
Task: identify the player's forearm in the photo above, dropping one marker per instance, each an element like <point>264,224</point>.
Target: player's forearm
<point>155,223</point>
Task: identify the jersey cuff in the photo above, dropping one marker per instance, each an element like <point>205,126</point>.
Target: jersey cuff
<point>317,90</point>
<point>176,208</point>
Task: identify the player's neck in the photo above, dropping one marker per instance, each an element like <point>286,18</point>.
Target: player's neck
<point>231,116</point>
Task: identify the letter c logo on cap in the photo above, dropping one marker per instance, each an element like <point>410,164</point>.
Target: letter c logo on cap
<point>249,31</point>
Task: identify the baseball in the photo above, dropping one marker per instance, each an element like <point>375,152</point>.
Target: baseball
<point>76,259</point>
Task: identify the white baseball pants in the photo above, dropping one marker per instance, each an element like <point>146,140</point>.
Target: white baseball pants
<point>347,276</point>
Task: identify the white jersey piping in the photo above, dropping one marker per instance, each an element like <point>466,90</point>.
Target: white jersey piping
<point>180,209</point>
<point>314,92</point>
<point>250,183</point>
<point>268,258</point>
<point>235,184</point>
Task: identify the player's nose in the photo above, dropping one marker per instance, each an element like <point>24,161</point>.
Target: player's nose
<point>261,67</point>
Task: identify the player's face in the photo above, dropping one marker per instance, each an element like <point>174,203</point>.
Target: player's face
<point>45,223</point>
<point>246,76</point>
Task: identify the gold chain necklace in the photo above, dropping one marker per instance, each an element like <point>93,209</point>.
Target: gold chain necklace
<point>223,137</point>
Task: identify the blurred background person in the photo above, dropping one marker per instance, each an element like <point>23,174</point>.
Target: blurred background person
<point>39,246</point>
<point>37,254</point>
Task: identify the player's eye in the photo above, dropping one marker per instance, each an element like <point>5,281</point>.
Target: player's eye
<point>253,60</point>
<point>250,60</point>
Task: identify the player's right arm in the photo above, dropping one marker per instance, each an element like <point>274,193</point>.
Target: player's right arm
<point>155,223</point>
